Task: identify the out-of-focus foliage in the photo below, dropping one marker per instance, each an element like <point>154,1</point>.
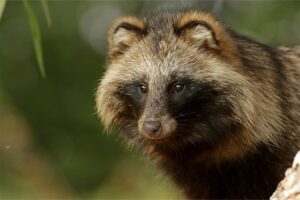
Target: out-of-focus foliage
<point>51,142</point>
<point>46,12</point>
<point>36,36</point>
<point>2,6</point>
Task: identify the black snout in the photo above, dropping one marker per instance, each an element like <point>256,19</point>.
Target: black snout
<point>152,128</point>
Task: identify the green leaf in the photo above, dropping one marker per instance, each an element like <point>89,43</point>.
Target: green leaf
<point>2,6</point>
<point>46,12</point>
<point>36,36</point>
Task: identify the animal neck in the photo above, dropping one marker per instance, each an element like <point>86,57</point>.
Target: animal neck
<point>241,178</point>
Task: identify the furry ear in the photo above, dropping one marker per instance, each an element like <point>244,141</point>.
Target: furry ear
<point>123,33</point>
<point>200,33</point>
<point>202,29</point>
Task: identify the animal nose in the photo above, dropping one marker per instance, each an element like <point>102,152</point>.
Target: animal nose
<point>152,128</point>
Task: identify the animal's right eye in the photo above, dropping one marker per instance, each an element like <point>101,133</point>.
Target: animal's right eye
<point>142,89</point>
<point>177,88</point>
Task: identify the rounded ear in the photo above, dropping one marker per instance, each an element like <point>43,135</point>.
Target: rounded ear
<point>200,33</point>
<point>202,29</point>
<point>123,33</point>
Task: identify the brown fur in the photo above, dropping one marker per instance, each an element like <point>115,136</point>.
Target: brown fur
<point>238,143</point>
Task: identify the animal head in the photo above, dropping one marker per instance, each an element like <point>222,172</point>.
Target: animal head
<point>174,79</point>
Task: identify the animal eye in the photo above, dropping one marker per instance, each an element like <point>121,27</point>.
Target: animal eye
<point>142,89</point>
<point>178,88</point>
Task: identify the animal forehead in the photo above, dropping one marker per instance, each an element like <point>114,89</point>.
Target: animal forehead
<point>160,28</point>
<point>160,69</point>
<point>165,59</point>
<point>161,20</point>
<point>164,71</point>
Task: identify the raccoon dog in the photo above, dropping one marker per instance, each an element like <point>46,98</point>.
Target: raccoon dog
<point>218,112</point>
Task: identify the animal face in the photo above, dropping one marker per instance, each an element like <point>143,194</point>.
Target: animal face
<point>173,80</point>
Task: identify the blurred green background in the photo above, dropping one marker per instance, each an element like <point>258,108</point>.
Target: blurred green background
<point>51,142</point>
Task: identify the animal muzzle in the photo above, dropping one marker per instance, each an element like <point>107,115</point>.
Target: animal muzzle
<point>157,128</point>
<point>152,128</point>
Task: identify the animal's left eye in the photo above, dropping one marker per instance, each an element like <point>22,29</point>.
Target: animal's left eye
<point>177,88</point>
<point>142,88</point>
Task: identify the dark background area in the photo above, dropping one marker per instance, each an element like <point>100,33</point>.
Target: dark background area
<point>52,144</point>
